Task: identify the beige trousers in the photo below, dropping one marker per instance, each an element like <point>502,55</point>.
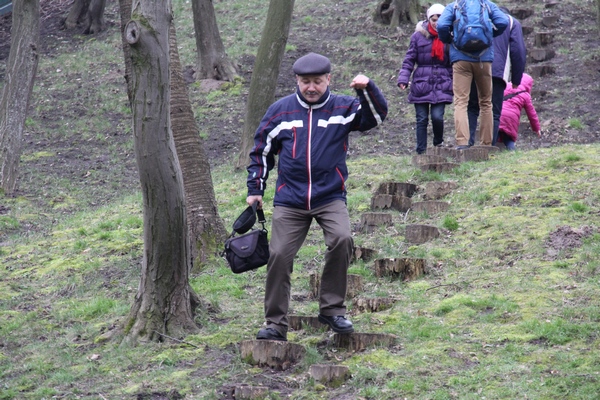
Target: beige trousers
<point>463,73</point>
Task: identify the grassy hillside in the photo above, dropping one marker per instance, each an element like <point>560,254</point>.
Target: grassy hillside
<point>510,307</point>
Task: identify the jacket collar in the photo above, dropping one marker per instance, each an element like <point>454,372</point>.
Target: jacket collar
<point>318,104</point>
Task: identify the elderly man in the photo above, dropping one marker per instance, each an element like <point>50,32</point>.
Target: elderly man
<point>308,132</point>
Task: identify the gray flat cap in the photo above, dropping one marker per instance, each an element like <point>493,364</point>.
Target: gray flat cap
<point>312,64</point>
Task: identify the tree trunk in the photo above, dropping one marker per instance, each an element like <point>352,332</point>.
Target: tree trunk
<point>21,69</point>
<point>213,62</point>
<point>162,304</point>
<point>206,229</point>
<point>89,14</point>
<point>125,12</point>
<point>266,71</point>
<point>405,10</point>
<point>598,14</point>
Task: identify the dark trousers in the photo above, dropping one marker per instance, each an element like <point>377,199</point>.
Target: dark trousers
<point>498,86</point>
<point>288,231</point>
<point>437,123</point>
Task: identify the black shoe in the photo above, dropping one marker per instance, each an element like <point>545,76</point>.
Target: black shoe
<point>338,323</point>
<point>270,334</point>
<point>461,147</point>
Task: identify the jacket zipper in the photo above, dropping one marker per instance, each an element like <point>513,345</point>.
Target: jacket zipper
<point>308,159</point>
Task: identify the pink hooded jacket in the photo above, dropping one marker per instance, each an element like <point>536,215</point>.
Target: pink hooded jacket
<point>511,108</point>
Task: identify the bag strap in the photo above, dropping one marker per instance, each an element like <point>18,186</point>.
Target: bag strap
<point>510,96</point>
<point>261,218</point>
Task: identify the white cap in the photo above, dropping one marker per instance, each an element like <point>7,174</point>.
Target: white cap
<point>436,9</point>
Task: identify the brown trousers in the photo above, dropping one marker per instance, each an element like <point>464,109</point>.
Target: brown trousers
<point>289,229</point>
<point>463,72</point>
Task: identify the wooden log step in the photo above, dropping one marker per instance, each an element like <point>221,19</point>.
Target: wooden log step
<point>474,153</point>
<point>330,375</point>
<point>397,188</point>
<point>539,70</point>
<point>406,269</point>
<point>430,207</point>
<point>436,190</point>
<point>362,341</point>
<point>551,4</point>
<point>521,13</point>
<point>542,39</point>
<point>419,234</point>
<point>541,55</point>
<point>439,167</point>
<point>444,152</point>
<point>421,159</point>
<point>527,29</point>
<point>363,253</point>
<point>302,322</point>
<point>275,354</point>
<point>550,21</point>
<point>372,304</point>
<point>355,285</point>
<point>390,201</point>
<point>369,222</point>
<point>245,392</point>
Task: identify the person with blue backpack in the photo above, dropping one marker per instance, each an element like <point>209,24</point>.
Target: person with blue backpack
<point>470,26</point>
<point>510,54</point>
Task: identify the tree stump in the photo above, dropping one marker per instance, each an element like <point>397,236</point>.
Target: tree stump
<point>355,285</point>
<point>397,188</point>
<point>445,152</point>
<point>369,222</point>
<point>439,167</point>
<point>436,190</point>
<point>330,375</point>
<point>540,55</point>
<point>362,253</point>
<point>419,234</point>
<point>550,21</point>
<point>274,354</point>
<point>473,153</point>
<point>390,201</point>
<point>551,4</point>
<point>405,269</point>
<point>521,13</point>
<point>489,149</point>
<point>527,30</point>
<point>539,70</point>
<point>373,304</point>
<point>245,392</point>
<point>542,39</point>
<point>361,341</point>
<point>430,207</point>
<point>299,323</point>
<point>421,159</point>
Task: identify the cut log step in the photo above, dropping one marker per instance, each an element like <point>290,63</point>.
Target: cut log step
<point>419,234</point>
<point>362,341</point>
<point>436,190</point>
<point>397,188</point>
<point>521,13</point>
<point>474,153</point>
<point>355,285</point>
<point>377,304</point>
<point>541,55</point>
<point>330,375</point>
<point>430,207</point>
<point>301,322</point>
<point>391,202</point>
<point>363,253</point>
<point>405,269</point>
<point>542,39</point>
<point>369,222</point>
<point>439,167</point>
<point>274,354</point>
<point>245,392</point>
<point>421,159</point>
<point>550,21</point>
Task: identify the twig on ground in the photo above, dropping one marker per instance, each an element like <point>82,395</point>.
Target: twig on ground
<point>177,340</point>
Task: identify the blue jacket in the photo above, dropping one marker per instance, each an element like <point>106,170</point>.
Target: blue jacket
<point>431,78</point>
<point>510,68</point>
<point>446,24</point>
<point>311,142</point>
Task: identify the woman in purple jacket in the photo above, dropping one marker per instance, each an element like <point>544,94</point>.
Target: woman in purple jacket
<point>427,59</point>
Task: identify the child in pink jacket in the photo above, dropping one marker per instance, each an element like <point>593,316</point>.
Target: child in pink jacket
<point>515,99</point>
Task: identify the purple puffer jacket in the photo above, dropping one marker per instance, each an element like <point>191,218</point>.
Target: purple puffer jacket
<point>432,78</point>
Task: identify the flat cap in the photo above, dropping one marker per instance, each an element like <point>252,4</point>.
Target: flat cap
<point>312,64</point>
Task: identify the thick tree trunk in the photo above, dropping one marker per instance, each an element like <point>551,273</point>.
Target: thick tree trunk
<point>21,69</point>
<point>89,14</point>
<point>213,62</point>
<point>162,304</point>
<point>265,73</point>
<point>125,12</point>
<point>206,229</point>
<point>405,10</point>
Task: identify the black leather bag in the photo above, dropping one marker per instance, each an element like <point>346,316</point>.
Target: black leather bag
<point>249,250</point>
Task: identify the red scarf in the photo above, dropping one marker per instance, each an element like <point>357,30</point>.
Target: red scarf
<point>437,48</point>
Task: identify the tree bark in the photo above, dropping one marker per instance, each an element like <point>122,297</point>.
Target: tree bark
<point>21,70</point>
<point>206,229</point>
<point>405,10</point>
<point>125,12</point>
<point>89,14</point>
<point>213,62</point>
<point>598,14</point>
<point>266,70</point>
<point>162,305</point>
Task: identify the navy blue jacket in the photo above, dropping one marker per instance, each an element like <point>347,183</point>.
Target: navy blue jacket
<point>446,25</point>
<point>510,68</point>
<point>311,142</point>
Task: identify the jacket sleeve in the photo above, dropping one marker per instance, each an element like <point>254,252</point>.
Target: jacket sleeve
<point>409,62</point>
<point>531,114</point>
<point>262,155</point>
<point>499,19</point>
<point>518,52</point>
<point>445,24</point>
<point>373,108</point>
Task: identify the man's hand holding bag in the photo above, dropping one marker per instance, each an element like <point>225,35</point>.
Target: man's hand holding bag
<point>249,250</point>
